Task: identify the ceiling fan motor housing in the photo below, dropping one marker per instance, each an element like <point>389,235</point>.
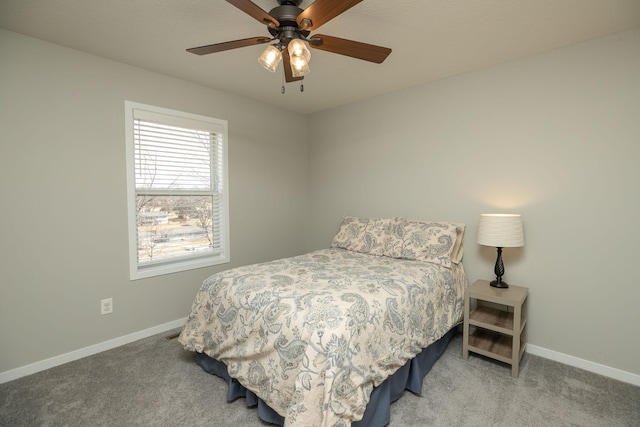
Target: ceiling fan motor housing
<point>286,15</point>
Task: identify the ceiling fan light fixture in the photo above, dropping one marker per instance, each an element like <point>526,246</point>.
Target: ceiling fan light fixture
<point>300,71</point>
<point>270,58</point>
<point>290,26</point>
<point>299,53</point>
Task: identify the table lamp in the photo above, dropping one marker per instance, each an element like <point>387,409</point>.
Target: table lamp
<point>500,231</point>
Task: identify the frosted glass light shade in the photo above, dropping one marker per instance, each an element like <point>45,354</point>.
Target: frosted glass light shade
<point>270,58</point>
<point>300,71</point>
<point>501,230</point>
<point>299,54</point>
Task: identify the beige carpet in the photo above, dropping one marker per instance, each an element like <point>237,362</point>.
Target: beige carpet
<point>153,382</point>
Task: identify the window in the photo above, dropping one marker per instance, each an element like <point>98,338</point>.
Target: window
<point>178,197</point>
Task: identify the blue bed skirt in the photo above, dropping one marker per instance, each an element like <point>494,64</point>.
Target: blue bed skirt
<point>377,413</point>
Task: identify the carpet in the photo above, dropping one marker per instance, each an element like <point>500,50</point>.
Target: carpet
<point>154,382</point>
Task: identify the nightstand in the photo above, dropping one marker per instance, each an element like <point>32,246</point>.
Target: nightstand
<point>496,332</point>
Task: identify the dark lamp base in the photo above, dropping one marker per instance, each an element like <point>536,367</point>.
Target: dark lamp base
<point>499,284</point>
<point>499,270</point>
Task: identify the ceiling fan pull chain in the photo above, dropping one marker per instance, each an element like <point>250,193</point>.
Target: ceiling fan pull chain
<point>282,89</point>
<point>301,87</point>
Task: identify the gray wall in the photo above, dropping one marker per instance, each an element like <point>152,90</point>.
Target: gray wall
<point>555,137</point>
<point>63,215</point>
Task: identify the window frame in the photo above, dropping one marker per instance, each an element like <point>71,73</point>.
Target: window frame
<point>138,270</point>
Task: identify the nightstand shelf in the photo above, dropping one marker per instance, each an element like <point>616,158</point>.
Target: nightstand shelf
<point>490,344</point>
<point>497,333</point>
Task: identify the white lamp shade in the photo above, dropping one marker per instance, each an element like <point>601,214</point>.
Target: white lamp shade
<point>501,230</point>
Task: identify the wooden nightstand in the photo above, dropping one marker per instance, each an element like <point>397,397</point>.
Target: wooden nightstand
<point>497,333</point>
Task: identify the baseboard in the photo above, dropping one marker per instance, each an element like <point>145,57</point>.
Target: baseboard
<point>23,371</point>
<point>87,351</point>
<point>596,368</point>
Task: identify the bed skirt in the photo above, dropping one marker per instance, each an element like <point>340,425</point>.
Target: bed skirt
<point>377,413</point>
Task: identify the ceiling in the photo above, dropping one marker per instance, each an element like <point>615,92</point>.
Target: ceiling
<point>431,39</point>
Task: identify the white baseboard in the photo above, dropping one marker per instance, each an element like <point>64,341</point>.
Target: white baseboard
<point>87,351</point>
<point>13,374</point>
<point>596,368</point>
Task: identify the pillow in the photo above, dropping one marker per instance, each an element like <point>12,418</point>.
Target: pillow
<point>423,241</point>
<point>458,249</point>
<point>350,233</point>
<point>364,235</point>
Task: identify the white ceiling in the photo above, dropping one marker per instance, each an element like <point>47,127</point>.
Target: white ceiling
<point>431,39</point>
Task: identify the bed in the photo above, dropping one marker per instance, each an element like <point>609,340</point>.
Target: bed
<point>332,337</point>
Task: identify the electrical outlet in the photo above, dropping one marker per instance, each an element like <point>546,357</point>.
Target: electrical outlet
<point>106,306</point>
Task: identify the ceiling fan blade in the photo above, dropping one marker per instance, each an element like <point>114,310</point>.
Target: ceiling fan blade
<point>359,50</point>
<point>286,63</point>
<point>322,11</point>
<point>219,47</point>
<point>256,12</point>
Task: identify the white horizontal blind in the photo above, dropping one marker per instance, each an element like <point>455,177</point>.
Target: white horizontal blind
<point>179,184</point>
<point>172,158</point>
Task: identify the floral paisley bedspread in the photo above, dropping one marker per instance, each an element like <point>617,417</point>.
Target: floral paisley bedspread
<point>312,335</point>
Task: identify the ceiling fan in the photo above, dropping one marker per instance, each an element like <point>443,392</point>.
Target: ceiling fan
<point>290,27</point>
